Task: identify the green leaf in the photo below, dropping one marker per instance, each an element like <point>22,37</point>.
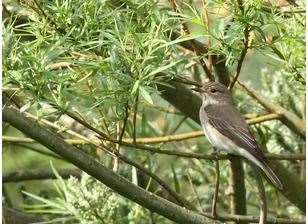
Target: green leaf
<point>146,95</point>
<point>45,201</point>
<point>135,87</point>
<point>25,107</point>
<point>179,40</point>
<point>160,69</point>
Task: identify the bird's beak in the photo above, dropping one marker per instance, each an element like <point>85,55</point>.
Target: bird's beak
<point>197,89</point>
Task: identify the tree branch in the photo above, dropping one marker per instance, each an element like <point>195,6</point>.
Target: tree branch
<point>195,47</point>
<point>242,57</point>
<point>238,196</point>
<point>288,118</point>
<point>271,156</point>
<point>173,194</point>
<point>111,179</point>
<point>262,195</point>
<point>13,216</point>
<point>38,174</point>
<point>152,140</point>
<point>94,168</point>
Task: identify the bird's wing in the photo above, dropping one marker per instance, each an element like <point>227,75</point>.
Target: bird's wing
<point>230,123</point>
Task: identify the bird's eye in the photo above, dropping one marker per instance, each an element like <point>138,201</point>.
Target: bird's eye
<point>213,90</point>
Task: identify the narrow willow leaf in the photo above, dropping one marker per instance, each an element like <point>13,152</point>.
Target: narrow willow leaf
<point>135,87</point>
<point>179,40</point>
<point>134,176</point>
<point>25,107</point>
<point>161,69</point>
<point>146,95</point>
<point>43,200</point>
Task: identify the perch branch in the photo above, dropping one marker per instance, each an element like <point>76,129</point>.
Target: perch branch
<point>271,156</point>
<point>116,182</point>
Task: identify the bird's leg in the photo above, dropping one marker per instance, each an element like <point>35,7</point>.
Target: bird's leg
<point>215,196</point>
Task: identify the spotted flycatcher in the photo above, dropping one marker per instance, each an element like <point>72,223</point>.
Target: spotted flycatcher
<point>227,130</point>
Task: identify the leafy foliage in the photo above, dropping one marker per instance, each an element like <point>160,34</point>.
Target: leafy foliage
<point>104,60</point>
<point>89,201</point>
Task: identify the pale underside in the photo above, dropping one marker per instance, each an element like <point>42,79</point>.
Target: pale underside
<point>220,142</point>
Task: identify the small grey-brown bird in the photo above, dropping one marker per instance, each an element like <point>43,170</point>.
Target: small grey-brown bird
<point>227,130</point>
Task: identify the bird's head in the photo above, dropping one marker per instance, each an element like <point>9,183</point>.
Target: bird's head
<point>214,93</point>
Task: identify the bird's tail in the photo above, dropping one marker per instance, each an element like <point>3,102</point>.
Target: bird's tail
<point>271,175</point>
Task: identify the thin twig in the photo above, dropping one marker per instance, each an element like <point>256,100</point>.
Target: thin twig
<point>270,156</point>
<point>194,189</point>
<point>38,174</point>
<point>290,119</point>
<point>124,122</point>
<point>176,196</point>
<point>32,148</point>
<point>114,153</point>
<point>177,126</point>
<point>252,219</point>
<point>194,46</point>
<point>84,123</point>
<point>262,195</point>
<point>241,60</point>
<point>116,147</point>
<point>207,22</point>
<point>135,118</point>
<point>244,50</point>
<point>111,179</point>
<point>215,197</point>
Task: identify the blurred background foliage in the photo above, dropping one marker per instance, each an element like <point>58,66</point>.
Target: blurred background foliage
<point>103,61</point>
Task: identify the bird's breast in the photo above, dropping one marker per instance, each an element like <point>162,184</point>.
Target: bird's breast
<point>216,139</point>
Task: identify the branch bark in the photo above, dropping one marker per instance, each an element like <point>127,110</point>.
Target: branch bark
<point>111,179</point>
<point>262,195</point>
<point>238,196</point>
<point>38,174</point>
<point>288,118</point>
<point>149,140</point>
<point>94,168</point>
<point>13,216</point>
<point>271,156</point>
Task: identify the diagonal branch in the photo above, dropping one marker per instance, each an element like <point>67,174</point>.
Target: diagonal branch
<point>288,118</point>
<point>116,154</point>
<point>194,46</point>
<point>116,182</point>
<point>242,57</point>
<point>94,168</point>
